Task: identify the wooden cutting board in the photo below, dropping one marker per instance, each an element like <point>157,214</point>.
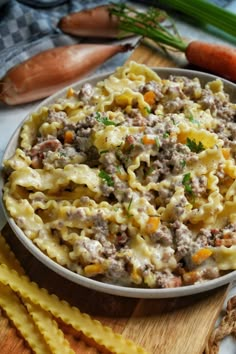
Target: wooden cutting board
<point>165,326</point>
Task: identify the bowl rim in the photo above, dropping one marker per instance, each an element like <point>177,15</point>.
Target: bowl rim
<point>110,288</point>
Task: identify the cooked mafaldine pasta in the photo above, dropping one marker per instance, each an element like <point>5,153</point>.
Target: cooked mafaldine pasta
<point>132,181</point>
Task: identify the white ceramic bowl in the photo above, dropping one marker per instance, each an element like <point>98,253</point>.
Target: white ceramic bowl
<point>94,284</point>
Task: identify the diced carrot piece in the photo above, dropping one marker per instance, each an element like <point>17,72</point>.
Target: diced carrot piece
<point>136,278</point>
<point>70,92</point>
<point>152,224</point>
<point>182,137</point>
<point>69,136</point>
<point>190,277</point>
<point>226,153</point>
<point>148,141</point>
<point>93,269</point>
<point>201,255</point>
<point>150,97</point>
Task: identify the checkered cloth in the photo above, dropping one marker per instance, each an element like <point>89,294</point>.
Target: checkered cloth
<point>30,26</point>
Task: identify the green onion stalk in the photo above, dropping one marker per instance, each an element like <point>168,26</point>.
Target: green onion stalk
<point>154,24</point>
<point>203,11</point>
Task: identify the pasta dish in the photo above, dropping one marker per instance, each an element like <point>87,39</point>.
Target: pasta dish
<point>131,181</point>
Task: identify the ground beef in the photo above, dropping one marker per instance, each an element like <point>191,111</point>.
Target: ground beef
<point>100,230</point>
<point>166,279</point>
<point>172,157</point>
<point>226,111</point>
<point>174,105</point>
<point>191,88</point>
<point>116,271</point>
<point>207,100</point>
<point>109,162</point>
<point>84,127</point>
<point>180,207</point>
<point>219,107</point>
<point>199,186</point>
<point>54,116</point>
<point>122,191</point>
<point>86,92</point>
<point>164,195</point>
<point>163,235</point>
<point>204,238</point>
<point>82,143</point>
<point>87,250</point>
<point>135,118</point>
<point>183,239</point>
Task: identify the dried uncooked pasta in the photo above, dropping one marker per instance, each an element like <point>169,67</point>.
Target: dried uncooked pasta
<point>18,314</point>
<point>41,331</point>
<point>49,328</point>
<point>70,315</point>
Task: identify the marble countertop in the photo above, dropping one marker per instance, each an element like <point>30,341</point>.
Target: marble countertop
<point>11,117</point>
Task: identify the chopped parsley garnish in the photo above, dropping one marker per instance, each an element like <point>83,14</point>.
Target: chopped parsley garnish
<point>148,110</point>
<point>183,163</point>
<point>173,121</point>
<point>195,147</point>
<point>186,182</point>
<point>150,170</point>
<point>106,177</point>
<point>128,209</point>
<point>103,152</point>
<point>166,135</point>
<point>103,120</point>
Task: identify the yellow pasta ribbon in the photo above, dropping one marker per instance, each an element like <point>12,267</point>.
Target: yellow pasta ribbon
<point>14,309</point>
<point>103,335</point>
<point>40,323</point>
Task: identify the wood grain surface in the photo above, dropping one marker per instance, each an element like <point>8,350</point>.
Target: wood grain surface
<point>165,326</point>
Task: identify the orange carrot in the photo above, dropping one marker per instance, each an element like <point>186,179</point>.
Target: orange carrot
<point>148,141</point>
<point>149,97</point>
<point>95,22</point>
<point>218,59</point>
<point>152,224</point>
<point>191,277</point>
<point>226,153</point>
<point>53,69</point>
<point>201,255</point>
<point>70,92</point>
<point>93,269</point>
<point>213,57</point>
<point>69,136</point>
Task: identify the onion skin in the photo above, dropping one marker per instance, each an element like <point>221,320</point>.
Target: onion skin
<point>96,22</point>
<point>51,70</point>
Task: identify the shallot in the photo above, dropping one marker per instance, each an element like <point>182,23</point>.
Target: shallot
<point>50,70</point>
<point>95,22</point>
